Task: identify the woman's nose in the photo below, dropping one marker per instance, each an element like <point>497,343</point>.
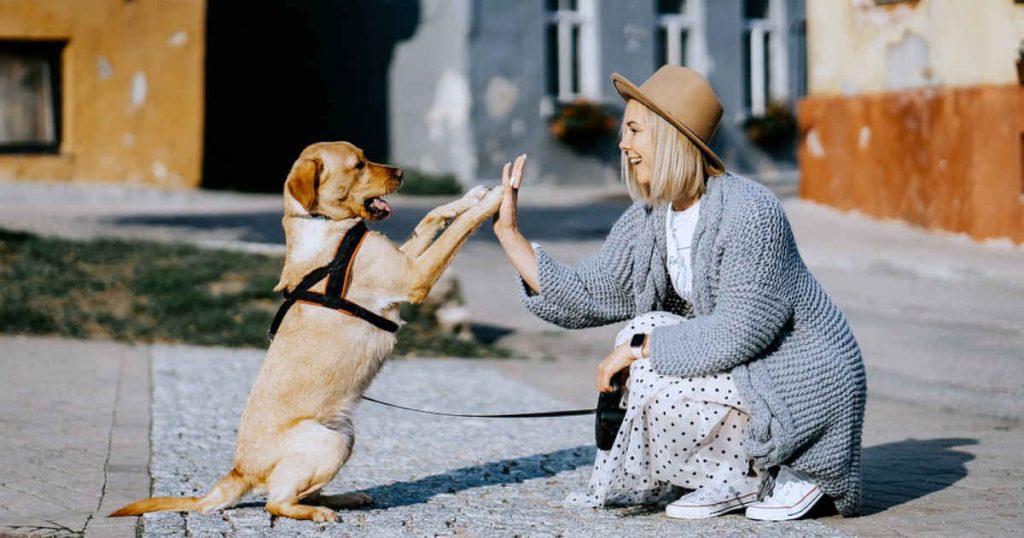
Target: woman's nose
<point>624,143</point>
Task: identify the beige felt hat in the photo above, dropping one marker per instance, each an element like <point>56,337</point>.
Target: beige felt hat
<point>683,98</point>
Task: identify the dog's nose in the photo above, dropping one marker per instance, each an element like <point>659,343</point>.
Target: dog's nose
<point>398,174</point>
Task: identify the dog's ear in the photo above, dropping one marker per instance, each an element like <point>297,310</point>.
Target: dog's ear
<point>304,181</point>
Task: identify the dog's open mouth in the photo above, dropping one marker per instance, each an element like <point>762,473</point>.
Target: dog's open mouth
<point>378,208</point>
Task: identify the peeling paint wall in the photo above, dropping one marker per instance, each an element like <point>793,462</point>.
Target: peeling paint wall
<point>132,89</point>
<point>429,95</point>
<point>857,46</point>
<point>915,113</point>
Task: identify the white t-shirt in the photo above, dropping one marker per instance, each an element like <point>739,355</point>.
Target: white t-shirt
<point>679,227</point>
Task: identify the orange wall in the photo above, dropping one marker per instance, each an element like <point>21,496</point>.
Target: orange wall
<point>132,89</point>
<point>948,158</point>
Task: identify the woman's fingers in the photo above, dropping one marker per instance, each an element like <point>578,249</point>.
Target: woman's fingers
<point>604,378</point>
<point>505,175</point>
<point>517,171</point>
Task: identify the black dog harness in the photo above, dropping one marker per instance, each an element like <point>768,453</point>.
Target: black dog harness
<point>337,275</point>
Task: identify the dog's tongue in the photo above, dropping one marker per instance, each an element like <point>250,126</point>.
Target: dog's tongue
<point>381,205</point>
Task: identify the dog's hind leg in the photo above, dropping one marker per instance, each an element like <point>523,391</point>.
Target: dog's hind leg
<point>315,455</point>
<point>435,221</point>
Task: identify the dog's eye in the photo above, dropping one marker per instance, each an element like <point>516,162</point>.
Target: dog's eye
<point>360,165</point>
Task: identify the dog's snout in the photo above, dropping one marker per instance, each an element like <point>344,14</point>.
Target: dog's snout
<point>398,174</point>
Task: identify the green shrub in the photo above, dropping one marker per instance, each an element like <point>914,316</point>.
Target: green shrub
<point>157,292</point>
<point>418,183</point>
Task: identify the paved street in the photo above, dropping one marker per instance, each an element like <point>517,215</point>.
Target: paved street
<point>74,434</point>
<point>937,316</point>
<point>926,471</point>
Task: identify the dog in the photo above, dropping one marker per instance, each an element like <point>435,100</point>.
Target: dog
<point>296,431</point>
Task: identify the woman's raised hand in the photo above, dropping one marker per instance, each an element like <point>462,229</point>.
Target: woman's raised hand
<point>506,221</point>
<point>506,225</point>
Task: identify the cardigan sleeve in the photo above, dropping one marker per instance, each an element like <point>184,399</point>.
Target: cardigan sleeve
<point>596,291</point>
<point>751,308</point>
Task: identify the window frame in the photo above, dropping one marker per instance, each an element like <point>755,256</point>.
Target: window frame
<point>691,19</point>
<point>775,79</point>
<point>565,20</point>
<point>53,52</point>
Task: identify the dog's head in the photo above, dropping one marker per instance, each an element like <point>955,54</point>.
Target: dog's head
<point>334,179</point>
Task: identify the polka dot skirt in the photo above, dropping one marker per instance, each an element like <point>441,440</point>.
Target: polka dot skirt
<point>677,432</point>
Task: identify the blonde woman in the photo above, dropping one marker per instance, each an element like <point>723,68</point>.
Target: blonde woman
<point>745,384</point>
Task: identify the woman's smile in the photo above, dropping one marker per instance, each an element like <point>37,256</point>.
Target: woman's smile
<point>636,141</point>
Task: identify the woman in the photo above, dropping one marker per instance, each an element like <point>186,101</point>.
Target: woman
<point>745,382</point>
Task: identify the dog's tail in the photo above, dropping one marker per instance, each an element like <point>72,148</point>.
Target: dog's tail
<point>224,493</point>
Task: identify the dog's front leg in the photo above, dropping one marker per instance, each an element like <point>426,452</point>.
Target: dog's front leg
<point>437,219</point>
<point>427,268</point>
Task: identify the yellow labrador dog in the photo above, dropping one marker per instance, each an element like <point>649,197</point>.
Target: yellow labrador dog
<point>296,430</point>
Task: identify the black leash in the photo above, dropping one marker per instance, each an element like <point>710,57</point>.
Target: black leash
<point>337,275</point>
<point>541,414</point>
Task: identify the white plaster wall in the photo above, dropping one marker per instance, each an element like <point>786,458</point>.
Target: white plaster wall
<point>856,46</point>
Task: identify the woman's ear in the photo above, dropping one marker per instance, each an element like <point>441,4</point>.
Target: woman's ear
<point>304,181</point>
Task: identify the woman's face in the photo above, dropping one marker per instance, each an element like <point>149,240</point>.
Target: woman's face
<point>637,142</point>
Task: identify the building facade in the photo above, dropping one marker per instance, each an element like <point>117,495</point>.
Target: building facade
<point>104,90</point>
<point>481,81</point>
<point>916,112</point>
<point>181,93</point>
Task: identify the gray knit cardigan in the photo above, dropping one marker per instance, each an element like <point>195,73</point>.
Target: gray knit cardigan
<point>758,312</point>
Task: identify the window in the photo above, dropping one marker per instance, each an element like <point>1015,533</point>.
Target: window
<point>764,53</point>
<point>572,65</point>
<point>30,96</point>
<point>680,38</point>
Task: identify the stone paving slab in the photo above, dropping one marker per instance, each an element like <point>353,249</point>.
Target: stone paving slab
<point>74,435</point>
<point>429,475</point>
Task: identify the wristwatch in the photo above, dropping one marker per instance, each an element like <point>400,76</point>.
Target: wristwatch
<point>636,344</point>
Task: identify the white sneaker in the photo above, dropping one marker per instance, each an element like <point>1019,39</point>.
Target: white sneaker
<point>711,502</point>
<point>792,497</point>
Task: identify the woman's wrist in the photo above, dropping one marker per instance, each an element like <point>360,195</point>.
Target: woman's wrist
<point>506,233</point>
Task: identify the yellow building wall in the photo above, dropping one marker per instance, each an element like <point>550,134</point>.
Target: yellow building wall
<point>853,45</point>
<point>132,84</point>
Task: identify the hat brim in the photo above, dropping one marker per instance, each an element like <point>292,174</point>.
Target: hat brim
<point>627,90</point>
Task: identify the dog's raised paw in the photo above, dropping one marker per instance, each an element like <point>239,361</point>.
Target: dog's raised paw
<point>478,192</point>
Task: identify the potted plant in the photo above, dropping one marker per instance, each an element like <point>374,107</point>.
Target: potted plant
<point>772,130</point>
<point>581,123</point>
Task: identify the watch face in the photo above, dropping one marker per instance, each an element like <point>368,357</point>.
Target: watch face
<point>638,340</point>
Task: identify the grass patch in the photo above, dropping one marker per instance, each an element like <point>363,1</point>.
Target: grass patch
<point>158,292</point>
<point>418,183</point>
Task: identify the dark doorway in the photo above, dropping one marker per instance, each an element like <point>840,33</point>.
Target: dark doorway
<point>286,73</point>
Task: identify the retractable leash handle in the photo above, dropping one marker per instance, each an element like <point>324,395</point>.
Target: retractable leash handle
<point>609,416</point>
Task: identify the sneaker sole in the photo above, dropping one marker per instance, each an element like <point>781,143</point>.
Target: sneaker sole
<point>704,512</point>
<point>786,513</point>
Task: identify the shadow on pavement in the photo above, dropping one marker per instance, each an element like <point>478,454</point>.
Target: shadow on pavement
<point>508,471</point>
<point>899,472</point>
<point>582,222</point>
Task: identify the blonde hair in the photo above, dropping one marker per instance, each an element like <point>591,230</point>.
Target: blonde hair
<point>679,165</point>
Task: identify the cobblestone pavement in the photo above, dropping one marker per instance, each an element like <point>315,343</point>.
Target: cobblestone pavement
<point>429,475</point>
